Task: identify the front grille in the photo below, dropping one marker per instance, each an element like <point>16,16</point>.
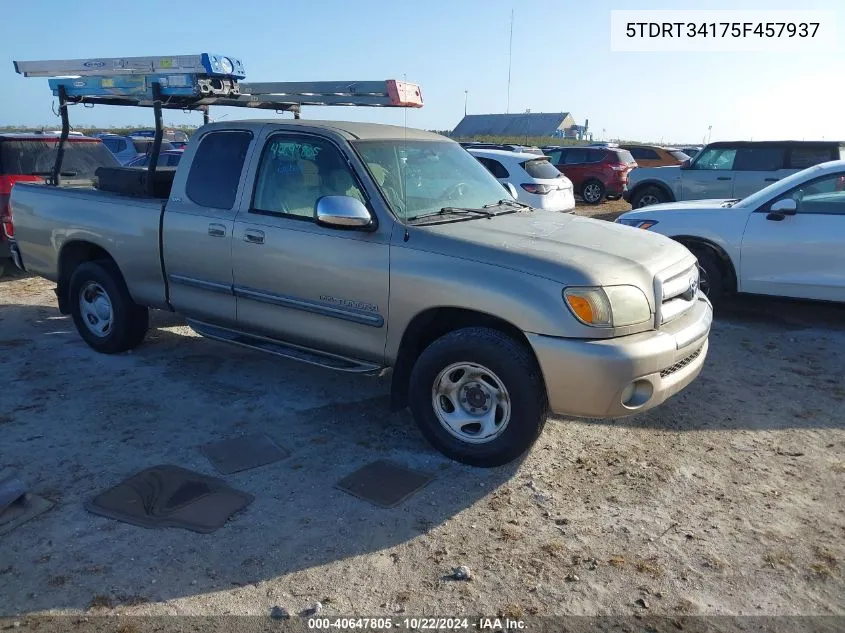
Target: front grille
<point>681,363</point>
<point>678,295</point>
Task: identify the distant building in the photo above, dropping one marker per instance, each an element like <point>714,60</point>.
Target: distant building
<point>552,124</point>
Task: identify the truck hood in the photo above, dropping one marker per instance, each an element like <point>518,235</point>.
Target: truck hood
<point>563,247</point>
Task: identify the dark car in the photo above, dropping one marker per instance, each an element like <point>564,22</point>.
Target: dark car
<point>596,172</point>
<point>30,158</point>
<point>168,158</point>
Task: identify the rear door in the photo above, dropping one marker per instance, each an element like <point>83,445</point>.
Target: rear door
<point>298,281</point>
<point>802,255</point>
<point>198,224</point>
<point>575,166</point>
<point>710,175</point>
<point>757,168</point>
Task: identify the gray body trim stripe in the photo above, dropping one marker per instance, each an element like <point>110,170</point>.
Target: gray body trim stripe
<point>364,318</point>
<point>201,284</point>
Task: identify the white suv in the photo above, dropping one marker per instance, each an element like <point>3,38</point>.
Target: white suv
<point>786,240</point>
<point>534,179</point>
<point>727,170</point>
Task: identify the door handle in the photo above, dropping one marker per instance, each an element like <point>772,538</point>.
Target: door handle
<point>771,179</point>
<point>254,237</point>
<point>723,178</point>
<point>216,230</point>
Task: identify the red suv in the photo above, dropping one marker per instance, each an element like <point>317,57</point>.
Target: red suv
<point>595,172</point>
<point>30,157</point>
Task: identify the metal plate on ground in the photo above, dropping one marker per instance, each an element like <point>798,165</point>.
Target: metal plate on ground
<point>384,483</point>
<point>169,496</point>
<point>22,510</point>
<point>243,453</point>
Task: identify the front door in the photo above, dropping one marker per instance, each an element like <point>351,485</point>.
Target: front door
<point>197,228</point>
<point>296,280</point>
<point>799,255</point>
<point>711,175</point>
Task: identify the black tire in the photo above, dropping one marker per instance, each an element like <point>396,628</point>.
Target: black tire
<point>712,278</point>
<point>129,322</point>
<point>512,364</point>
<point>648,196</point>
<point>592,191</point>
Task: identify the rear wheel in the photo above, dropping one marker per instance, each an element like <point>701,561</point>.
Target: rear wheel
<point>477,395</point>
<point>592,191</point>
<point>102,309</point>
<point>648,196</point>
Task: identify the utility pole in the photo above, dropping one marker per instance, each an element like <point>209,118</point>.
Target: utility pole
<point>466,97</point>
<point>510,59</point>
<point>709,131</point>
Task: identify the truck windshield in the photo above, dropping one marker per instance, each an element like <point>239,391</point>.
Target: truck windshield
<point>419,178</point>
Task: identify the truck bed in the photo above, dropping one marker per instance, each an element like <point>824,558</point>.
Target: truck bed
<point>48,219</point>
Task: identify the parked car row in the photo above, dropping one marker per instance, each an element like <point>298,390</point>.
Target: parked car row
<point>128,148</point>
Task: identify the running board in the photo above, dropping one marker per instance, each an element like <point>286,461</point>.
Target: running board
<point>285,350</point>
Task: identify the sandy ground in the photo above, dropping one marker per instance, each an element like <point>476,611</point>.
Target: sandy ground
<point>726,500</point>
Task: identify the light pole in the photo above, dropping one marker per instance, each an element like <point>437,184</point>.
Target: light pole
<point>709,130</point>
<point>466,98</point>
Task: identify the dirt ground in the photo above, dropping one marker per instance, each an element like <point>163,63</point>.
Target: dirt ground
<point>726,500</point>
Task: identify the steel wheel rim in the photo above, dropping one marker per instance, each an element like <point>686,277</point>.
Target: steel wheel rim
<point>648,200</point>
<point>96,309</point>
<point>591,193</point>
<point>471,402</point>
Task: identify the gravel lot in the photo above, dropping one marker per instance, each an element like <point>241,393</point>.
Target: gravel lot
<point>727,500</point>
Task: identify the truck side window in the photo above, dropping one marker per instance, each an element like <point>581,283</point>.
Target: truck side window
<point>216,169</point>
<point>295,172</point>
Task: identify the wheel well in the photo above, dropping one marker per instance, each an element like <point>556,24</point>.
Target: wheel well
<point>670,197</point>
<point>726,266</point>
<point>427,327</point>
<point>71,256</point>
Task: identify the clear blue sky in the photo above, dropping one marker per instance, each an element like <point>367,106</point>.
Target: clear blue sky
<point>561,62</point>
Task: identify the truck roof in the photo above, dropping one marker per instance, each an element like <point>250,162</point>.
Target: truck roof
<point>351,130</point>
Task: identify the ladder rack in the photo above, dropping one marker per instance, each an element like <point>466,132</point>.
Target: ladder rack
<point>196,82</point>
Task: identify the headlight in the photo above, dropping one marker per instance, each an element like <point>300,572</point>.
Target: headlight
<point>637,223</point>
<point>611,306</point>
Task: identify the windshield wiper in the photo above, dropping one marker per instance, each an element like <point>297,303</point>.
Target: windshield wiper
<point>504,201</point>
<point>452,211</point>
<point>729,203</point>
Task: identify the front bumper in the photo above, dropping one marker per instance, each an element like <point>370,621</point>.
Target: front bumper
<point>594,378</point>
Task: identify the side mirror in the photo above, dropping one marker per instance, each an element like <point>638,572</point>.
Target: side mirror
<point>787,206</point>
<point>686,163</point>
<point>511,189</point>
<point>343,212</point>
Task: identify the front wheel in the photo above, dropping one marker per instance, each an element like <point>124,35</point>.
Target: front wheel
<point>478,396</point>
<point>648,196</point>
<point>711,280</point>
<point>102,309</point>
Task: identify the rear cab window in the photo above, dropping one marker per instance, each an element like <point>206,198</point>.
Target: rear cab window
<point>30,157</point>
<point>216,168</point>
<point>540,168</point>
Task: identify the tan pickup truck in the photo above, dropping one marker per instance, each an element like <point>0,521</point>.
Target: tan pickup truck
<point>368,248</point>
